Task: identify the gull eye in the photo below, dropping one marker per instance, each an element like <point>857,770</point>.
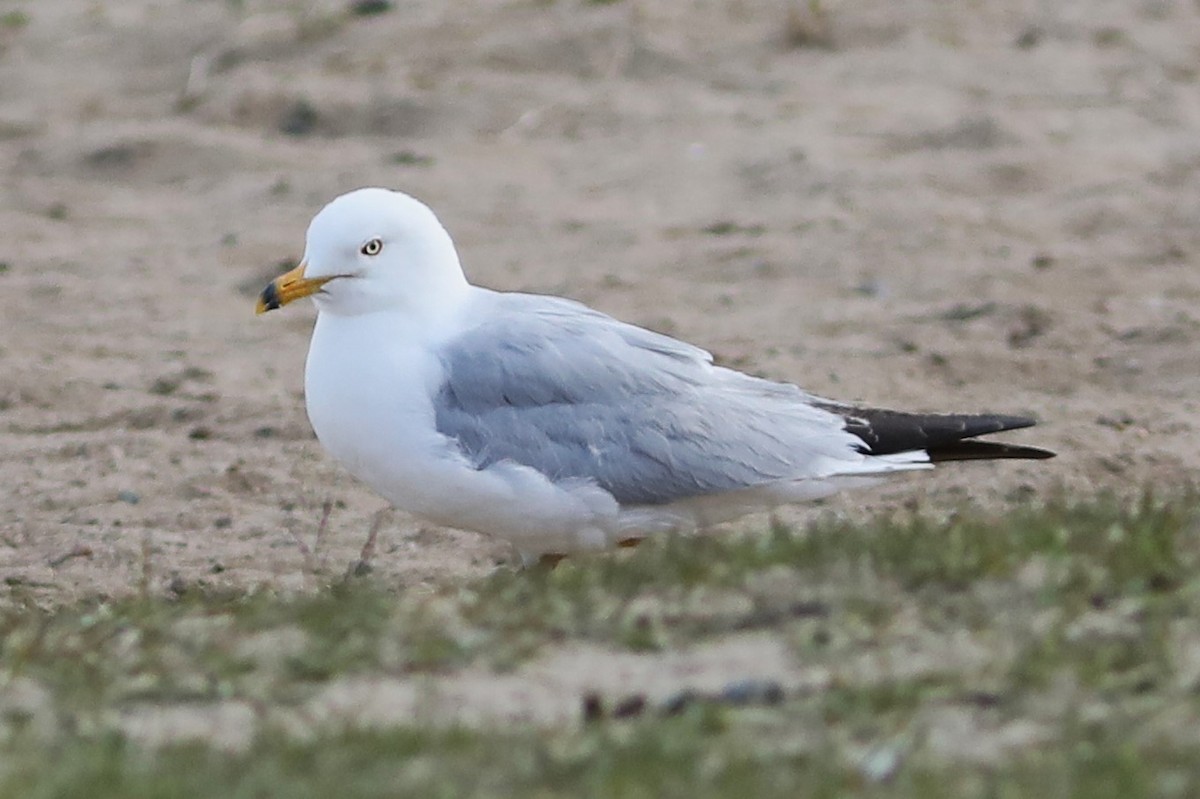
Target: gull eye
<point>372,247</point>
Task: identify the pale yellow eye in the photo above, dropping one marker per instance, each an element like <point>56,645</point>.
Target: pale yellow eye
<point>372,247</point>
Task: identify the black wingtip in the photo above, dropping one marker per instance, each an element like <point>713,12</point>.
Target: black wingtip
<point>971,450</point>
<point>945,437</point>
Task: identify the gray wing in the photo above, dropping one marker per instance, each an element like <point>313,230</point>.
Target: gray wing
<point>575,394</point>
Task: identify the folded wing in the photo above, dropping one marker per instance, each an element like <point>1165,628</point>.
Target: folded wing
<point>576,395</point>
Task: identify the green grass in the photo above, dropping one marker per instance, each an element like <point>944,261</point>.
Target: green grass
<point>14,20</point>
<point>701,754</point>
<point>1043,652</point>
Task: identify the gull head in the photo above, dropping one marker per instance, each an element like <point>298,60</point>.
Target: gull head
<point>372,250</point>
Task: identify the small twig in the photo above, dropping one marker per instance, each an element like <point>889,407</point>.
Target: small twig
<point>147,570</point>
<point>525,123</point>
<point>304,550</point>
<point>807,25</point>
<point>197,81</point>
<point>78,551</point>
<point>326,509</point>
<point>626,45</point>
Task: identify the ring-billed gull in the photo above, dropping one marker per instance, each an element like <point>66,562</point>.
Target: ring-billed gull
<point>546,423</point>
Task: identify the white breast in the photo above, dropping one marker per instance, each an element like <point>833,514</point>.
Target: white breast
<point>371,406</point>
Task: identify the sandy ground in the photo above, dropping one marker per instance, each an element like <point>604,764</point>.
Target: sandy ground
<point>929,205</point>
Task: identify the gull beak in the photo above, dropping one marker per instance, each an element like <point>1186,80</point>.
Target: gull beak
<point>289,286</point>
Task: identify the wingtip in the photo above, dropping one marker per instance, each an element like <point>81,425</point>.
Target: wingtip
<point>975,450</point>
<point>997,422</point>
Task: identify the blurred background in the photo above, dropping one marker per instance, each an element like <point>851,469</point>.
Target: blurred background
<point>928,205</point>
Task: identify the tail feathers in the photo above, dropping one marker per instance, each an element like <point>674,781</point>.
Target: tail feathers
<point>944,437</point>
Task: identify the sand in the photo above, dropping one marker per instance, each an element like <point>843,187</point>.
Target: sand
<point>927,205</point>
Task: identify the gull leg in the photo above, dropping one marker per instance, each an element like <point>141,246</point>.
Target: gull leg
<point>362,566</point>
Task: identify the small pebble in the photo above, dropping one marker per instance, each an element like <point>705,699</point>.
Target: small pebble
<point>677,703</point>
<point>629,707</point>
<point>746,692</point>
<point>300,119</point>
<point>965,312</point>
<point>116,155</point>
<point>871,288</point>
<point>1029,38</point>
<point>410,158</point>
<point>367,8</point>
<point>984,699</point>
<point>164,386</point>
<point>881,763</point>
<point>810,608</point>
<point>593,707</point>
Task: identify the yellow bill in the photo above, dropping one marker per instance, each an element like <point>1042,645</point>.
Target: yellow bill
<point>287,287</point>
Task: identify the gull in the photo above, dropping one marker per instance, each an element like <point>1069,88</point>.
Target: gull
<point>538,420</point>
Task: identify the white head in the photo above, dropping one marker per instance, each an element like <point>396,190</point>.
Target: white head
<point>373,250</point>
